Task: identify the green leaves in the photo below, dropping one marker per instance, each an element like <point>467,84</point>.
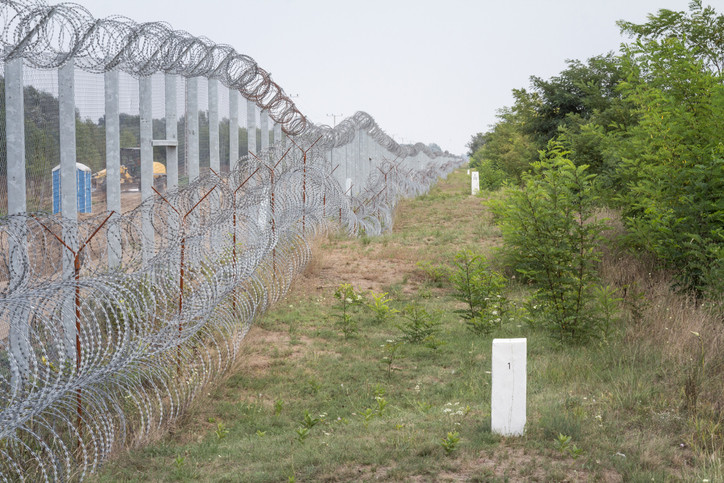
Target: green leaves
<point>551,238</point>
<point>481,289</point>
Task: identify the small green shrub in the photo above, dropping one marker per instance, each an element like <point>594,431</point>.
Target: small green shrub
<point>552,239</point>
<point>420,326</point>
<point>450,443</point>
<point>379,305</point>
<point>482,291</point>
<point>349,300</point>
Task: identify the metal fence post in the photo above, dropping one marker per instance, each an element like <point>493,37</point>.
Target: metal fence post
<point>264,121</point>
<point>145,103</point>
<point>113,165</point>
<point>171,112</point>
<point>192,128</point>
<point>68,192</point>
<point>233,129</point>
<point>214,160</point>
<point>250,127</point>
<point>17,261</point>
<point>277,133</point>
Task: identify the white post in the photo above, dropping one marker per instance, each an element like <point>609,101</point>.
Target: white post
<point>214,159</point>
<point>68,192</point>
<point>171,132</point>
<point>145,104</point>
<point>171,114</point>
<point>251,127</point>
<point>113,165</point>
<point>474,183</point>
<point>15,135</point>
<point>508,397</point>
<point>17,257</point>
<point>264,121</point>
<point>233,129</point>
<point>192,128</point>
<point>277,134</point>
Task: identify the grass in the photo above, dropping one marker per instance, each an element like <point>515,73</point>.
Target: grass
<point>306,403</point>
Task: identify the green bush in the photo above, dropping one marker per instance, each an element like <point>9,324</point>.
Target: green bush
<point>481,289</point>
<point>551,238</point>
<point>420,326</point>
<point>492,177</point>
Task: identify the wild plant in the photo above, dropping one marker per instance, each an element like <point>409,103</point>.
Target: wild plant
<point>221,431</point>
<point>420,325</point>
<point>450,442</point>
<point>563,445</point>
<point>349,299</point>
<point>436,274</point>
<point>482,291</point>
<point>278,407</point>
<point>552,239</point>
<point>309,421</point>
<point>302,433</point>
<point>391,349</point>
<point>379,305</point>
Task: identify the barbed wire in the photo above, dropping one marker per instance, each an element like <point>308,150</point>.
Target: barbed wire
<point>97,354</point>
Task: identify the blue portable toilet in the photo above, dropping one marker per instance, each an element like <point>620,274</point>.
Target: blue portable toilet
<point>83,184</point>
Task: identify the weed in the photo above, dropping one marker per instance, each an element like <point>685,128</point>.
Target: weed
<point>314,385</point>
<point>221,431</point>
<point>309,422</point>
<point>367,416</point>
<point>278,407</point>
<point>450,442</point>
<point>607,307</point>
<point>482,291</point>
<point>563,445</point>
<point>302,433</point>
<point>381,405</point>
<point>421,326</point>
<point>348,299</point>
<point>436,274</point>
<point>380,308</point>
<point>391,349</point>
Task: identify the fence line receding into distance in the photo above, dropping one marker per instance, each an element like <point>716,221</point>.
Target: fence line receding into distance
<point>111,321</point>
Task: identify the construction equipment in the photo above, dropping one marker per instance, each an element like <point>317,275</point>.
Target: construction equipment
<point>99,179</point>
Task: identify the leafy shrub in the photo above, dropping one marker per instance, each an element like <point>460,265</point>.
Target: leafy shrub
<point>379,305</point>
<point>482,291</point>
<point>551,238</point>
<point>348,299</point>
<point>672,161</point>
<point>492,177</point>
<point>420,326</point>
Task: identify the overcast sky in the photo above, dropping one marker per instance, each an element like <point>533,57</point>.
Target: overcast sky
<point>429,71</point>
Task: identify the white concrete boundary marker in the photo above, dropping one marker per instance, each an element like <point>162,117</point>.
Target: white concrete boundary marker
<point>474,183</point>
<point>507,401</point>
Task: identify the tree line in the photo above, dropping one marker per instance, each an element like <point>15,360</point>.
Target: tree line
<point>647,124</point>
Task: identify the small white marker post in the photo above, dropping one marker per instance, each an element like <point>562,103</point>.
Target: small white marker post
<point>507,401</point>
<point>474,183</point>
<point>468,172</point>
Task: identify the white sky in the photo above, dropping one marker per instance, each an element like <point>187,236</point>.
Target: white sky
<point>429,71</point>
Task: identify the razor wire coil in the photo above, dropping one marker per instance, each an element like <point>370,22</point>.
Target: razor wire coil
<point>96,355</point>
